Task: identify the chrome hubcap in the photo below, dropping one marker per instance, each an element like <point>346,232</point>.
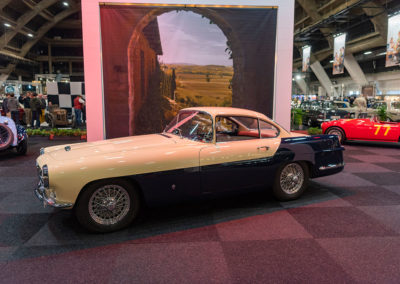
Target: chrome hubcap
<point>109,204</point>
<point>292,178</point>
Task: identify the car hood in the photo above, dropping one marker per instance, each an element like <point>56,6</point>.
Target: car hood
<point>105,147</point>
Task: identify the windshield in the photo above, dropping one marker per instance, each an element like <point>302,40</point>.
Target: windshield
<point>193,125</point>
<point>340,104</point>
<point>396,105</point>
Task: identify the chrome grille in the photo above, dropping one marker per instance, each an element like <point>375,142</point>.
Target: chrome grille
<point>40,175</point>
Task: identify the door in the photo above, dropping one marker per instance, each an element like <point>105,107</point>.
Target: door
<point>241,156</point>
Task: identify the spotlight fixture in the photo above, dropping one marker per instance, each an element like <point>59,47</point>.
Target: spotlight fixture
<point>367,52</point>
<point>30,35</point>
<point>66,4</point>
<point>7,25</point>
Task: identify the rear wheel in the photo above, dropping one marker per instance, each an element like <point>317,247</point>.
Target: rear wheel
<point>107,206</point>
<point>291,181</point>
<point>6,136</point>
<point>339,132</point>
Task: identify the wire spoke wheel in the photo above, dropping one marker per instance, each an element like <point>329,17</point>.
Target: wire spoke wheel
<point>6,136</point>
<point>109,204</point>
<point>291,178</point>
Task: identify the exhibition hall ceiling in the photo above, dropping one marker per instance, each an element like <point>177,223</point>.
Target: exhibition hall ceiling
<point>34,32</point>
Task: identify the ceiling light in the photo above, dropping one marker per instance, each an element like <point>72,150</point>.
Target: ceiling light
<point>65,4</point>
<point>367,52</point>
<point>331,61</point>
<point>298,77</point>
<point>30,35</point>
<point>382,53</point>
<point>7,25</point>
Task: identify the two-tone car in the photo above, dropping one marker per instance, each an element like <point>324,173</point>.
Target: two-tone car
<point>203,152</point>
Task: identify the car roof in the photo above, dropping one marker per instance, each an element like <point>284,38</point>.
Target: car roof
<point>214,111</point>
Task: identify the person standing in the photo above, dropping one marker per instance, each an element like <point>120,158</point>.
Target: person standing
<point>4,106</point>
<point>12,106</point>
<point>35,108</point>
<point>361,106</point>
<point>25,101</point>
<point>42,107</point>
<point>78,106</point>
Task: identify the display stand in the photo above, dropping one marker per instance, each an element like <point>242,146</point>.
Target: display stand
<point>93,57</point>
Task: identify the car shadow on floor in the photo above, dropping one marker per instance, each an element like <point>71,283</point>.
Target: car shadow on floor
<point>62,233</point>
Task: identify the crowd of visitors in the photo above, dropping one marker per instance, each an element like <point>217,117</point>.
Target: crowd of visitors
<point>35,107</point>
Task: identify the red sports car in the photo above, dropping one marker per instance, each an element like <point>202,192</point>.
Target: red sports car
<point>363,129</point>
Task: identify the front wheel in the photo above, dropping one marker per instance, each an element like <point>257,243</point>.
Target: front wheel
<point>107,206</point>
<point>291,181</point>
<point>337,131</point>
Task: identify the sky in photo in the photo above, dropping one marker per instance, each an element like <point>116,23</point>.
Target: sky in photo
<point>188,38</point>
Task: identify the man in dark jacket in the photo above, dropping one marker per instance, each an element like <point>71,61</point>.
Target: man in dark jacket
<point>35,108</point>
<point>4,106</point>
<point>13,106</point>
<point>25,100</point>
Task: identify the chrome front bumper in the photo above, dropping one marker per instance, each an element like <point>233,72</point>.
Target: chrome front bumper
<point>331,166</point>
<point>40,193</point>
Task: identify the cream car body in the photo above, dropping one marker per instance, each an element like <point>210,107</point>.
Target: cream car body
<point>168,167</point>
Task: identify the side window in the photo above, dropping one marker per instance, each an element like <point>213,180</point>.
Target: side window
<point>236,128</point>
<point>268,130</point>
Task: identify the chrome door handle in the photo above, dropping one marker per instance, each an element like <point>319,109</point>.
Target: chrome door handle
<point>263,147</point>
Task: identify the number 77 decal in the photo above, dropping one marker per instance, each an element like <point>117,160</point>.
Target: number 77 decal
<point>378,127</point>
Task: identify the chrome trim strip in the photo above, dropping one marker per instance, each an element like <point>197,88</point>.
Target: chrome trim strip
<point>331,166</point>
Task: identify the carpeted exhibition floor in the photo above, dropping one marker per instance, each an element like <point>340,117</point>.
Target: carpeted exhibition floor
<point>346,228</point>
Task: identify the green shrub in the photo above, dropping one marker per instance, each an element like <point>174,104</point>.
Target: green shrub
<point>314,131</point>
<point>297,116</point>
<point>382,113</point>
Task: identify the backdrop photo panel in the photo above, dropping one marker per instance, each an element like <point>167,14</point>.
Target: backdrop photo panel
<point>157,60</point>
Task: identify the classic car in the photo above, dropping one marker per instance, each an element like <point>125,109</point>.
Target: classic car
<point>12,136</point>
<point>317,112</point>
<point>367,129</point>
<point>203,152</point>
<point>56,116</point>
<point>394,111</point>
<point>343,105</point>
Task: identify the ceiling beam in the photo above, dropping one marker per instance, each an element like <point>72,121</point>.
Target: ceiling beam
<point>368,41</point>
<point>379,18</point>
<point>70,24</point>
<point>63,41</point>
<point>45,58</point>
<point>73,8</point>
<point>23,20</point>
<point>44,13</point>
<point>4,3</point>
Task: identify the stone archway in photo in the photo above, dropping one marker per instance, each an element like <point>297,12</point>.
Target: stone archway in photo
<point>136,42</point>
